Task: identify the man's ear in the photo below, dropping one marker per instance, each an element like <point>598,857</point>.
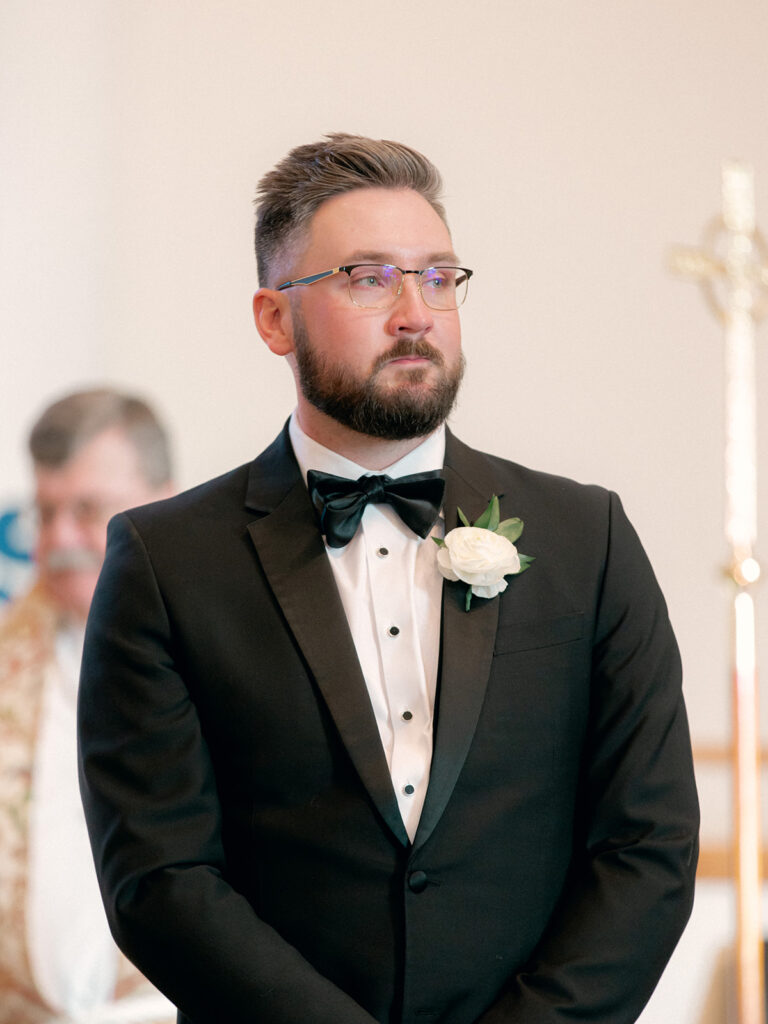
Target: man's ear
<point>272,315</point>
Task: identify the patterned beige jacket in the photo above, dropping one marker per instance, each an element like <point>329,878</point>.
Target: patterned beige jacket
<point>27,635</point>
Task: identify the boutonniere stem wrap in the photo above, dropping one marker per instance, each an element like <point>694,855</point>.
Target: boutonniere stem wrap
<point>482,553</point>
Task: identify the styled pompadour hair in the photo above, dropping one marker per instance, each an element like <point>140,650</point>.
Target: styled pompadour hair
<point>288,196</point>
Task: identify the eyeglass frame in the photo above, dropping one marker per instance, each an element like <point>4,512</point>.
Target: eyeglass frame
<point>314,278</point>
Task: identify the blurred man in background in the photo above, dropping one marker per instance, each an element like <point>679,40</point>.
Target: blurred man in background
<point>94,453</point>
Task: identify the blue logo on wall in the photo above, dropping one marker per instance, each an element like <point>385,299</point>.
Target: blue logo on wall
<point>16,541</point>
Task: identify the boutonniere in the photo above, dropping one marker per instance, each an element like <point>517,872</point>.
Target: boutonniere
<point>482,553</point>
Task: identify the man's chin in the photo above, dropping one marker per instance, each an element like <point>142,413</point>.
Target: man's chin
<point>72,592</point>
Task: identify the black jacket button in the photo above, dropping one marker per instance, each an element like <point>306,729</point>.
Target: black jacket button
<point>417,881</point>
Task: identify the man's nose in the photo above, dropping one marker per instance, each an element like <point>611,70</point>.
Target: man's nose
<point>410,314</point>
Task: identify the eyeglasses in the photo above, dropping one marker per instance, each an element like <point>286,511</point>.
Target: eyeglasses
<point>377,285</point>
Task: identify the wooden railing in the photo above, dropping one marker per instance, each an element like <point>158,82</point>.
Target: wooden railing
<point>717,859</point>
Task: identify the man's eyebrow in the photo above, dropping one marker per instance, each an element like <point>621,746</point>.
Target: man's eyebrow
<point>371,256</point>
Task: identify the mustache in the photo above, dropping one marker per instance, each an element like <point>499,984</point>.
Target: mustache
<point>72,560</point>
<point>410,349</point>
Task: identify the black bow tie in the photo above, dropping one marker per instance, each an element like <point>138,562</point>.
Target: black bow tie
<point>340,502</point>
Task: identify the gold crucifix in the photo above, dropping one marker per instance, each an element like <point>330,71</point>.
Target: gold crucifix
<point>732,269</point>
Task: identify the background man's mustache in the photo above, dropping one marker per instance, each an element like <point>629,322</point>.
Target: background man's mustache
<point>72,560</point>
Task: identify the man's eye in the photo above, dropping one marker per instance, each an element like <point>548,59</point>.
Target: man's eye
<point>88,512</point>
<point>45,514</point>
<point>438,281</point>
<point>369,279</point>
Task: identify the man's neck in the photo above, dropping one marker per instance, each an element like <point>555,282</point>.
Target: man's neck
<point>373,453</point>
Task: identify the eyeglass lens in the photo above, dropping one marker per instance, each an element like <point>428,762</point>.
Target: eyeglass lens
<point>377,286</point>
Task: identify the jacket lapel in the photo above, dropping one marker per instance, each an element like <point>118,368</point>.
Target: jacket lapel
<point>466,645</point>
<point>292,555</point>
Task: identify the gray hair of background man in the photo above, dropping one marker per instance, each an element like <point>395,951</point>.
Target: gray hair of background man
<point>288,196</point>
<point>71,422</point>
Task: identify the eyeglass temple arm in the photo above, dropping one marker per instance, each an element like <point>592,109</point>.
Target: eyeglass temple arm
<point>309,280</point>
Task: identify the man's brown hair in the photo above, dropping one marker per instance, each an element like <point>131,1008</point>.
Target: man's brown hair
<point>74,420</point>
<point>289,195</point>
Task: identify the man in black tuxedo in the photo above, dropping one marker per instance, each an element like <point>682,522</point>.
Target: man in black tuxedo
<point>336,772</point>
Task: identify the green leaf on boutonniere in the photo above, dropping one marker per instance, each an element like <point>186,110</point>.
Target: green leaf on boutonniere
<point>525,561</point>
<point>463,518</point>
<point>511,529</point>
<point>489,520</point>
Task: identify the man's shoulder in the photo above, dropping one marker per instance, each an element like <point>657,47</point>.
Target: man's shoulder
<point>31,611</point>
<point>498,475</point>
<point>27,631</point>
<point>224,491</point>
<point>226,495</point>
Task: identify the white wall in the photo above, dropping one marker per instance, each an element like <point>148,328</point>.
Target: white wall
<point>578,142</point>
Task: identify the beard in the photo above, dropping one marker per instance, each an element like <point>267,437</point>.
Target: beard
<point>393,413</point>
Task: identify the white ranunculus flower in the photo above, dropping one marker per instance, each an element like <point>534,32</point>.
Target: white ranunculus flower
<point>480,558</point>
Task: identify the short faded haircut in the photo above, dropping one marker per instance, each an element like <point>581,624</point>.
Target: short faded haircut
<point>289,195</point>
<point>70,423</point>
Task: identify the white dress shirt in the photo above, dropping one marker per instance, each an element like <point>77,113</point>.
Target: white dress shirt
<point>391,590</point>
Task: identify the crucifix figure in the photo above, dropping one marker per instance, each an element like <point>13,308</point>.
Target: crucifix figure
<point>732,269</point>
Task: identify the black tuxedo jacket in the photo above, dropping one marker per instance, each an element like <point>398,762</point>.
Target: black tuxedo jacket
<point>245,830</point>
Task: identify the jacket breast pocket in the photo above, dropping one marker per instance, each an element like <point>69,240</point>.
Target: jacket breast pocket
<point>530,636</point>
<point>537,701</point>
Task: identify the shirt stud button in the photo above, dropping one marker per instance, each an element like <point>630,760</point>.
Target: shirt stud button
<point>382,552</point>
<point>407,716</point>
<point>408,790</point>
<point>393,631</point>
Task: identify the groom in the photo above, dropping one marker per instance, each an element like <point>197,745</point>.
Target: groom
<point>337,773</point>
